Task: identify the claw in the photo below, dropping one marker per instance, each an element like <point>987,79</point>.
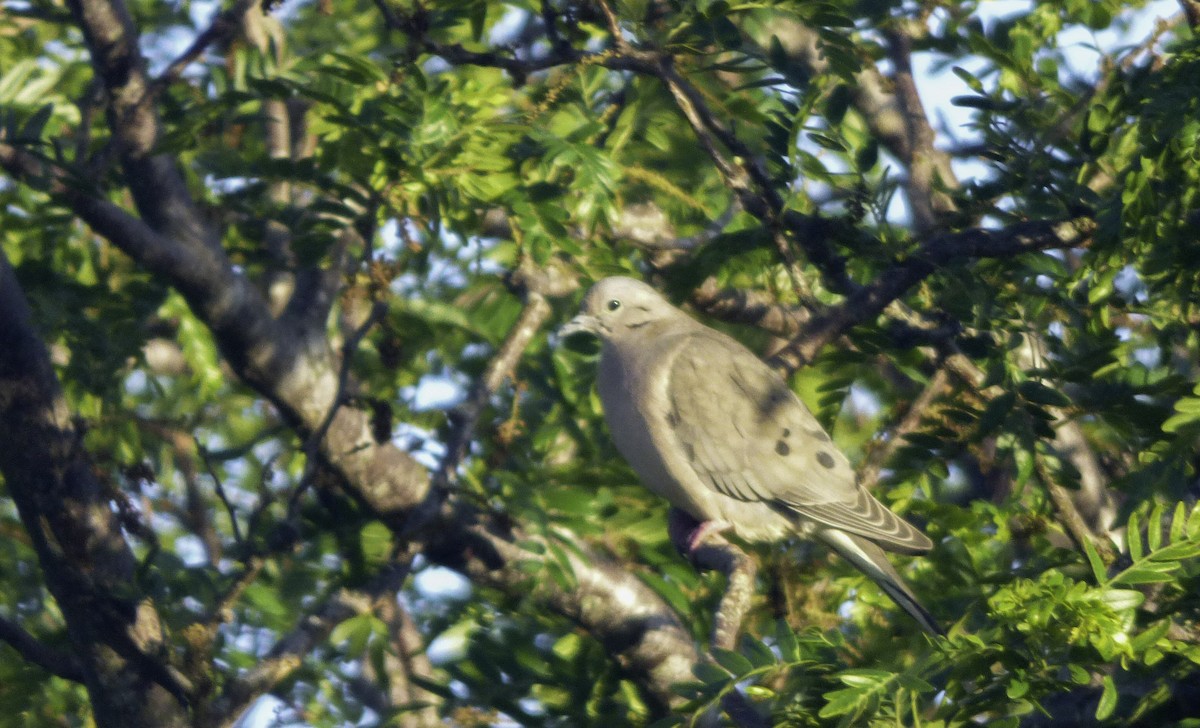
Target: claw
<point>687,533</point>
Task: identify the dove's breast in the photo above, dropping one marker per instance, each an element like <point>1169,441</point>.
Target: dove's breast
<point>633,389</point>
<point>632,384</point>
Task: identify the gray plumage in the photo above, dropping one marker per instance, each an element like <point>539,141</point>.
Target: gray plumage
<point>707,425</point>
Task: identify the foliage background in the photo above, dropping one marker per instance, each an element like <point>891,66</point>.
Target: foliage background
<point>279,415</point>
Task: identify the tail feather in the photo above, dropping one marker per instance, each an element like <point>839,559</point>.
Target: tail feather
<point>870,559</point>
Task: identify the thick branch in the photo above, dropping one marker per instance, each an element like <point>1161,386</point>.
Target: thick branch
<point>635,626</point>
<point>749,307</point>
<point>75,533</point>
<point>154,180</point>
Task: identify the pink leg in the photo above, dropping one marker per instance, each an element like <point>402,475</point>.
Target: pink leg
<point>687,533</point>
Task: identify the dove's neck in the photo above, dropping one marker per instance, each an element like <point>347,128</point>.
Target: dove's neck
<point>639,333</point>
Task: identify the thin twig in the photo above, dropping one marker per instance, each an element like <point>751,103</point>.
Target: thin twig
<point>909,422</point>
<point>533,315</point>
<point>221,495</point>
<point>288,653</point>
<point>224,24</point>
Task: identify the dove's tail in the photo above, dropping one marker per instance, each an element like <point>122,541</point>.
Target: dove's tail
<point>870,559</point>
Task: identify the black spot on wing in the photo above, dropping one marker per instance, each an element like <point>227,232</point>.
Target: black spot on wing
<point>782,448</point>
<point>826,460</point>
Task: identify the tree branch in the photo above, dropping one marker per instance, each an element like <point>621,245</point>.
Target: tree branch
<point>75,533</point>
<point>55,662</point>
<point>869,301</point>
<point>925,162</point>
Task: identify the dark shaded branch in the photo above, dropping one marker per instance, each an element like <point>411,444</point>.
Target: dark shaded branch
<point>76,534</point>
<point>55,662</point>
<point>869,301</point>
<point>224,24</point>
<point>412,26</point>
<point>1191,11</point>
<point>749,307</point>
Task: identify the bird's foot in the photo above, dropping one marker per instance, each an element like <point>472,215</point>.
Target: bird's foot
<point>688,534</point>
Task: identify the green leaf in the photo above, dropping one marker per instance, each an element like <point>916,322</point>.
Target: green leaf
<point>1123,599</point>
<point>732,661</point>
<point>972,82</point>
<point>1039,393</point>
<point>1179,523</point>
<point>1133,532</point>
<point>757,652</point>
<point>785,641</point>
<point>1154,528</point>
<point>1143,575</point>
<point>827,142</point>
<point>1108,699</point>
<point>32,130</point>
<point>376,540</point>
<point>995,413</point>
<point>1177,552</point>
<point>1098,569</point>
<point>354,633</point>
<point>864,678</point>
<point>710,674</point>
<point>1016,689</point>
<point>841,702</point>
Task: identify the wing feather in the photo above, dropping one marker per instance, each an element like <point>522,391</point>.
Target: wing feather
<point>747,436</point>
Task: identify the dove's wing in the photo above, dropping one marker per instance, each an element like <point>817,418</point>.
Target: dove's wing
<point>749,437</point>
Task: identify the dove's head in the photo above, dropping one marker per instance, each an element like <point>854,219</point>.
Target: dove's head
<point>616,307</point>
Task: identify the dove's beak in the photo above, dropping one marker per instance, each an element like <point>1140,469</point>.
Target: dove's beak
<point>578,325</point>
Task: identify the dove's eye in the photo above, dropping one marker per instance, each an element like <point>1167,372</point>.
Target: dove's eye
<point>613,305</point>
